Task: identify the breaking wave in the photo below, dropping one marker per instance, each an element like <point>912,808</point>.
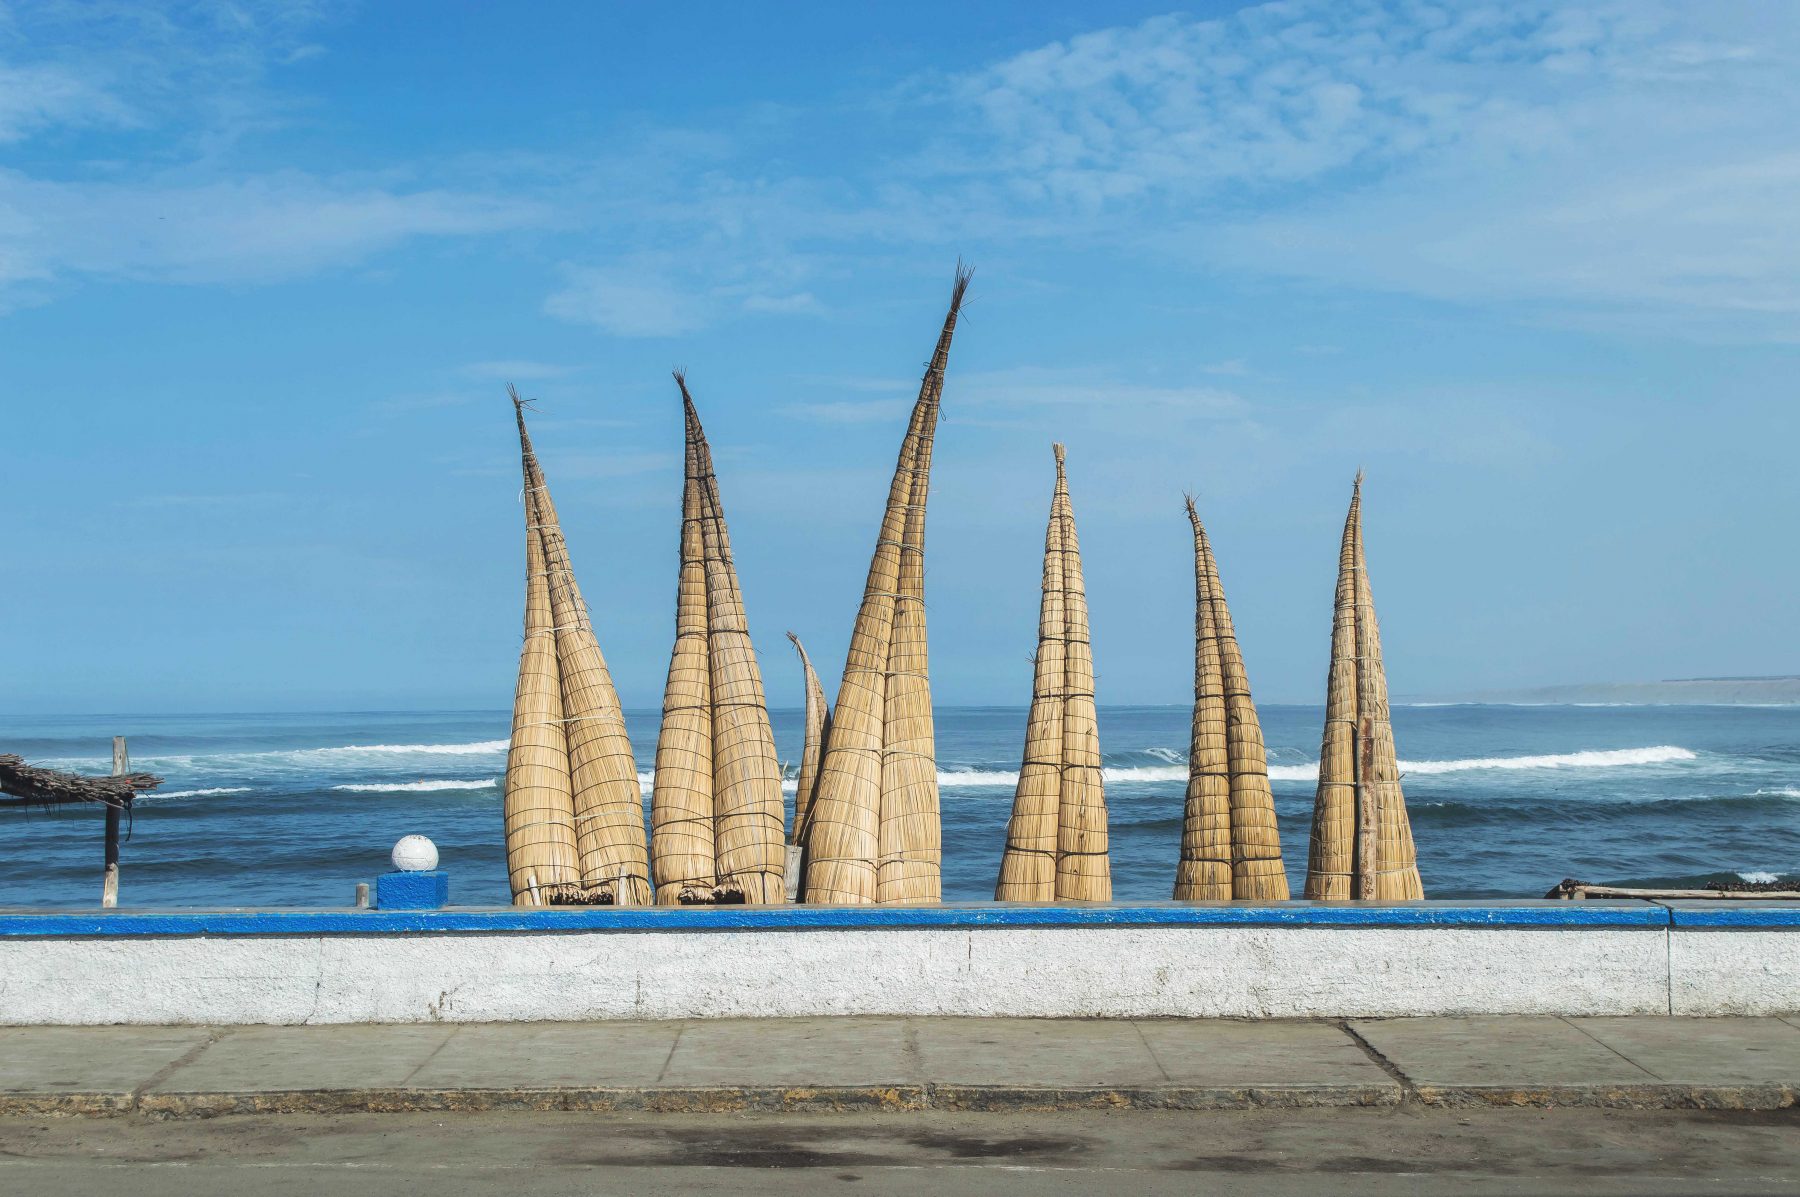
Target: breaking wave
<point>416,787</point>
<point>1604,759</point>
<point>475,748</point>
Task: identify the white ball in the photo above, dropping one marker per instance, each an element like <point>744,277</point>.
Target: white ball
<point>415,854</point>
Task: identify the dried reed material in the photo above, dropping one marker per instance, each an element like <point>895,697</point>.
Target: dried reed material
<point>1231,845</point>
<point>1083,866</point>
<point>1056,839</point>
<point>1028,863</point>
<point>609,810</point>
<point>538,804</point>
<point>28,785</point>
<point>1204,871</point>
<point>748,823</point>
<point>681,800</point>
<point>1362,844</point>
<point>817,722</point>
<point>874,829</point>
<point>909,867</point>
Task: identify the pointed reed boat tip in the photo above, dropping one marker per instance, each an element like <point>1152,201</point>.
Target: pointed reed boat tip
<point>964,273</point>
<point>1193,511</point>
<point>1058,450</point>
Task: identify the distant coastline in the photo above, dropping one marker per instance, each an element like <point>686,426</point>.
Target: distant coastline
<point>1699,691</point>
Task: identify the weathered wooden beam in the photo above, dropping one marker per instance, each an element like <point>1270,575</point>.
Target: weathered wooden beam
<point>1579,890</point>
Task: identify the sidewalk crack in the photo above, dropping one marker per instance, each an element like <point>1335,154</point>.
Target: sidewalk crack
<point>213,1035</point>
<point>430,1056</point>
<point>1609,1047</point>
<point>670,1058</point>
<point>1154,1058</point>
<point>1409,1093</point>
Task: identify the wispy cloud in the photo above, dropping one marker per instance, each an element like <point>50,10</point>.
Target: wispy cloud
<point>41,96</point>
<point>255,229</point>
<point>508,371</point>
<point>626,302</point>
<point>1596,160</point>
<point>1096,390</point>
<point>849,411</point>
<point>1588,162</point>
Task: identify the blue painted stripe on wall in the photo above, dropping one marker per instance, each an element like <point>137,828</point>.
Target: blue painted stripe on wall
<point>774,918</point>
<point>1762,916</point>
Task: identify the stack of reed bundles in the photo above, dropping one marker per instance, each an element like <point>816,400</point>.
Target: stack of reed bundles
<point>874,833</point>
<point>1056,839</point>
<point>716,811</point>
<point>817,722</point>
<point>1362,844</point>
<point>566,704</point>
<point>1230,844</point>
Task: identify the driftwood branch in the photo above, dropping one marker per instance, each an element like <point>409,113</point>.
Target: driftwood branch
<point>27,785</point>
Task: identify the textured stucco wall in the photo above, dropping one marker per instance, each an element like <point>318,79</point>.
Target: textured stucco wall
<point>1247,972</point>
<point>1734,972</point>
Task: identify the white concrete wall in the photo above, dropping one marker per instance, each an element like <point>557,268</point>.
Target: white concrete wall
<point>1230,971</point>
<point>1734,972</point>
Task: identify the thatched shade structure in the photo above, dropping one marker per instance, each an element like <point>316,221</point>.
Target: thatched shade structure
<point>873,829</point>
<point>1230,845</point>
<point>608,813</point>
<point>1056,840</point>
<point>817,720</point>
<point>715,808</point>
<point>1362,845</point>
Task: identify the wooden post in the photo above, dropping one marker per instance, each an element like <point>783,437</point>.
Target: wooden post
<point>109,886</point>
<point>362,895</point>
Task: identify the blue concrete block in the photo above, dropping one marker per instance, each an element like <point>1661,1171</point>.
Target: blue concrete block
<point>428,890</point>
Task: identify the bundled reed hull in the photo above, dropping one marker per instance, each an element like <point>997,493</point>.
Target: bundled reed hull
<point>1057,837</point>
<point>609,817</point>
<point>538,805</point>
<point>817,722</point>
<point>873,829</point>
<point>1362,845</point>
<point>681,801</point>
<point>1230,845</point>
<point>1028,863</point>
<point>748,815</point>
<point>717,829</point>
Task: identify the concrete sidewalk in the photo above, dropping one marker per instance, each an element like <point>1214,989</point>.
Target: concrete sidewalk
<point>828,1064</point>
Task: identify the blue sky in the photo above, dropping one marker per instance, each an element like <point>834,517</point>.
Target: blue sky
<point>266,270</point>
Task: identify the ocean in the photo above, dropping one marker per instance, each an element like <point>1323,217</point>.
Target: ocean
<point>295,809</point>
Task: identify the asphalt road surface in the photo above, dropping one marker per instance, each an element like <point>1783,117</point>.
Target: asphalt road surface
<point>1392,1152</point>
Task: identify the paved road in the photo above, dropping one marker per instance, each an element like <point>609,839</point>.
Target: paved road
<point>1392,1152</point>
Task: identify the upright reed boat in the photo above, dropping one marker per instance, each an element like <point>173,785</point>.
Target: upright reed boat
<point>1230,845</point>
<point>873,831</point>
<point>572,806</point>
<point>817,720</point>
<point>1056,840</point>
<point>716,814</point>
<point>1362,844</point>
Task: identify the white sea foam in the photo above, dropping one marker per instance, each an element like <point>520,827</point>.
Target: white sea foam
<point>199,793</point>
<point>475,748</point>
<point>1758,877</point>
<point>416,787</point>
<point>1612,758</point>
<point>1606,759</point>
<point>1783,792</point>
